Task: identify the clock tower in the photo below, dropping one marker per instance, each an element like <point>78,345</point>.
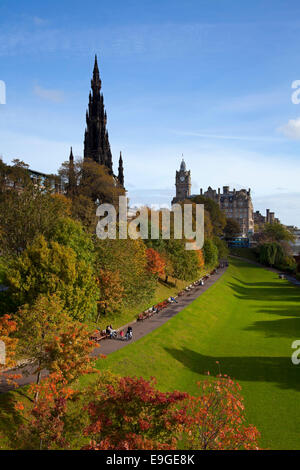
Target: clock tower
<point>183,183</point>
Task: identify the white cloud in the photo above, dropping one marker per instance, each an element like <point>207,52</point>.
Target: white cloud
<point>56,96</point>
<point>291,129</point>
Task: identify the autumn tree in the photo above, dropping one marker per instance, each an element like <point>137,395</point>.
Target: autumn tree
<point>131,414</point>
<point>201,260</point>
<point>93,181</point>
<point>43,421</point>
<point>8,345</point>
<point>84,210</point>
<point>217,418</point>
<point>127,257</point>
<point>110,291</point>
<point>49,339</point>
<point>169,268</point>
<point>155,263</point>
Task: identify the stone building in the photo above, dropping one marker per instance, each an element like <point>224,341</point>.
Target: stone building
<point>237,205</point>
<point>260,220</point>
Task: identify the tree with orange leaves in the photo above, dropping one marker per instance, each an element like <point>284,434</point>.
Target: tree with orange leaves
<point>218,421</point>
<point>49,339</point>
<point>43,421</point>
<point>110,291</point>
<point>156,264</point>
<point>201,261</point>
<point>8,344</point>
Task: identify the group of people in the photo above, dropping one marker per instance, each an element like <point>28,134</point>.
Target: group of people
<point>113,333</point>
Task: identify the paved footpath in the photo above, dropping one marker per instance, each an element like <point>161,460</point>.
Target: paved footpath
<point>139,328</point>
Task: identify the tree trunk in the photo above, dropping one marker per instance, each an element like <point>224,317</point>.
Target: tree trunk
<point>38,379</point>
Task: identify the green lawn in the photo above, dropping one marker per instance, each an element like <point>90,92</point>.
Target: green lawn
<point>247,321</point>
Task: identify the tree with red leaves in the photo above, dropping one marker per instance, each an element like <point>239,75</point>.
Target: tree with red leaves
<point>130,414</point>
<point>156,264</point>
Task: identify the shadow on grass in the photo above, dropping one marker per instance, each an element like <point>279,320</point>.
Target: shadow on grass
<point>270,293</point>
<point>277,370</point>
<point>283,328</point>
<point>166,283</point>
<point>266,291</point>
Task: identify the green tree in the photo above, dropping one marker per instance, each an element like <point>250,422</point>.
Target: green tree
<point>277,232</point>
<point>47,268</point>
<point>25,214</point>
<point>128,258</point>
<point>217,217</point>
<point>185,263</point>
<point>271,254</point>
<point>232,228</point>
<point>69,232</point>
<point>210,253</point>
<point>38,326</point>
<point>222,247</point>
<point>92,181</point>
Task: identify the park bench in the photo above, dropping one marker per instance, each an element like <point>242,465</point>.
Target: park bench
<point>99,336</point>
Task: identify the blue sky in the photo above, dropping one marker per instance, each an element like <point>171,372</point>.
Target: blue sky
<point>209,79</point>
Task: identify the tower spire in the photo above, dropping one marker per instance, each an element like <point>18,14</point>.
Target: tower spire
<point>96,81</point>
<point>71,187</point>
<point>121,171</point>
<point>96,141</point>
<point>71,157</point>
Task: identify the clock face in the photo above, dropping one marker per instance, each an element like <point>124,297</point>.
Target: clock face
<point>182,178</point>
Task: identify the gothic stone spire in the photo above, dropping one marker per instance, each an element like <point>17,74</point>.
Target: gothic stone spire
<point>71,187</point>
<point>121,171</point>
<point>96,141</point>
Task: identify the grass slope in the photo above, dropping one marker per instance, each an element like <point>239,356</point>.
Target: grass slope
<point>247,321</point>
<point>163,291</point>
